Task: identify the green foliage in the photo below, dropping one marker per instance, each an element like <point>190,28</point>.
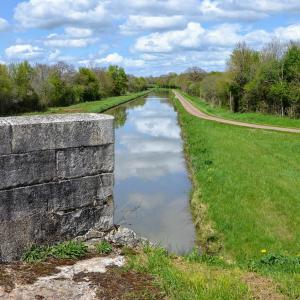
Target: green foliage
<point>277,263</point>
<point>27,88</point>
<point>264,82</point>
<point>291,63</point>
<point>36,254</point>
<point>88,85</point>
<point>6,86</point>
<point>119,79</point>
<point>104,247</point>
<point>67,250</point>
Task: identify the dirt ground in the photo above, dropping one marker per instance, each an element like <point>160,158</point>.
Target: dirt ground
<point>88,279</point>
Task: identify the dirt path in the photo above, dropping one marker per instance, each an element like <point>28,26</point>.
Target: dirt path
<point>190,108</point>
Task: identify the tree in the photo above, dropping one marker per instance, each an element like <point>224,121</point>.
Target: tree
<point>41,85</point>
<point>119,79</point>
<point>25,98</point>
<point>242,66</point>
<point>89,87</point>
<point>6,87</point>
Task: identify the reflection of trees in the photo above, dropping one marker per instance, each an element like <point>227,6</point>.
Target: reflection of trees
<point>136,103</point>
<point>120,115</point>
<point>120,112</point>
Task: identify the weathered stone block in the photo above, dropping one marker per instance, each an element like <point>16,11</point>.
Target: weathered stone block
<point>60,131</point>
<point>45,229</point>
<point>27,169</point>
<point>76,162</point>
<point>62,197</point>
<point>76,193</point>
<point>56,179</point>
<point>5,137</point>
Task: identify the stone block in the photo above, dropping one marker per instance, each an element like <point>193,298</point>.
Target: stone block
<point>59,197</point>
<point>47,229</point>
<point>27,169</point>
<point>76,162</point>
<point>59,131</point>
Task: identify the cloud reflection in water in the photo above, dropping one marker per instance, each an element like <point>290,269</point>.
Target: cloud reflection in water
<point>152,185</point>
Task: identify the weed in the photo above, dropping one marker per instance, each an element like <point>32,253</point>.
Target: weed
<point>67,250</point>
<point>104,247</point>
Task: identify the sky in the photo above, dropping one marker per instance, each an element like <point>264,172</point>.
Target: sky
<point>146,37</point>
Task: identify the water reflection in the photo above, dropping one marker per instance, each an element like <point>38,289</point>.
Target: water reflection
<point>152,186</point>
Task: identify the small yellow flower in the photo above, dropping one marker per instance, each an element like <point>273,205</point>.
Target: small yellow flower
<point>263,251</point>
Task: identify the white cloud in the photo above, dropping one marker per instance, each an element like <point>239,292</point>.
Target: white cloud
<point>65,42</point>
<point>157,127</point>
<point>56,13</point>
<point>193,37</point>
<point>78,32</point>
<point>25,51</point>
<point>267,6</point>
<point>244,10</point>
<point>211,10</point>
<point>288,33</point>
<point>3,24</point>
<point>117,59</point>
<point>136,23</point>
<point>154,7</point>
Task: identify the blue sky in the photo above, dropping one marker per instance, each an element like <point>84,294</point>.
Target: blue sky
<point>147,37</point>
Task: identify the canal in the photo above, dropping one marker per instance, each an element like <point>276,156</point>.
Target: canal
<point>151,180</point>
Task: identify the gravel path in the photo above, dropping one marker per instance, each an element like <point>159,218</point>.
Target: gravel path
<point>190,108</point>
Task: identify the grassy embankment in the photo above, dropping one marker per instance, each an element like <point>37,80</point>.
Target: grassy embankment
<point>246,207</point>
<point>93,106</point>
<point>255,118</point>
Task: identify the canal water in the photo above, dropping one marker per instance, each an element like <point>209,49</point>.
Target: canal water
<point>151,181</point>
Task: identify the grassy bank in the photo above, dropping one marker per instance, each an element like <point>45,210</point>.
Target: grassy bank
<point>93,106</point>
<point>256,118</point>
<point>246,209</point>
<point>246,195</point>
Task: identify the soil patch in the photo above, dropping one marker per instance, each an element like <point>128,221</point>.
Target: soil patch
<point>262,288</point>
<point>117,284</point>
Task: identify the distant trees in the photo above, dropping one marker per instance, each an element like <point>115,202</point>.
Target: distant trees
<point>24,87</point>
<point>260,81</point>
<point>188,81</point>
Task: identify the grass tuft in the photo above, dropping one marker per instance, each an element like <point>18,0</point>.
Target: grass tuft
<point>67,250</point>
<point>104,247</point>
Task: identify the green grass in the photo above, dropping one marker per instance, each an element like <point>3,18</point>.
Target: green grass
<point>181,279</point>
<point>67,250</point>
<point>255,118</point>
<point>246,194</point>
<point>93,106</point>
<point>104,247</point>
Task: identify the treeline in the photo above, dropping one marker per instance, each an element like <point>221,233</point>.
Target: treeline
<point>265,81</point>
<point>24,87</point>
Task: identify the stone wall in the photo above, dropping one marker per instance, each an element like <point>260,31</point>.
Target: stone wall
<point>56,179</point>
